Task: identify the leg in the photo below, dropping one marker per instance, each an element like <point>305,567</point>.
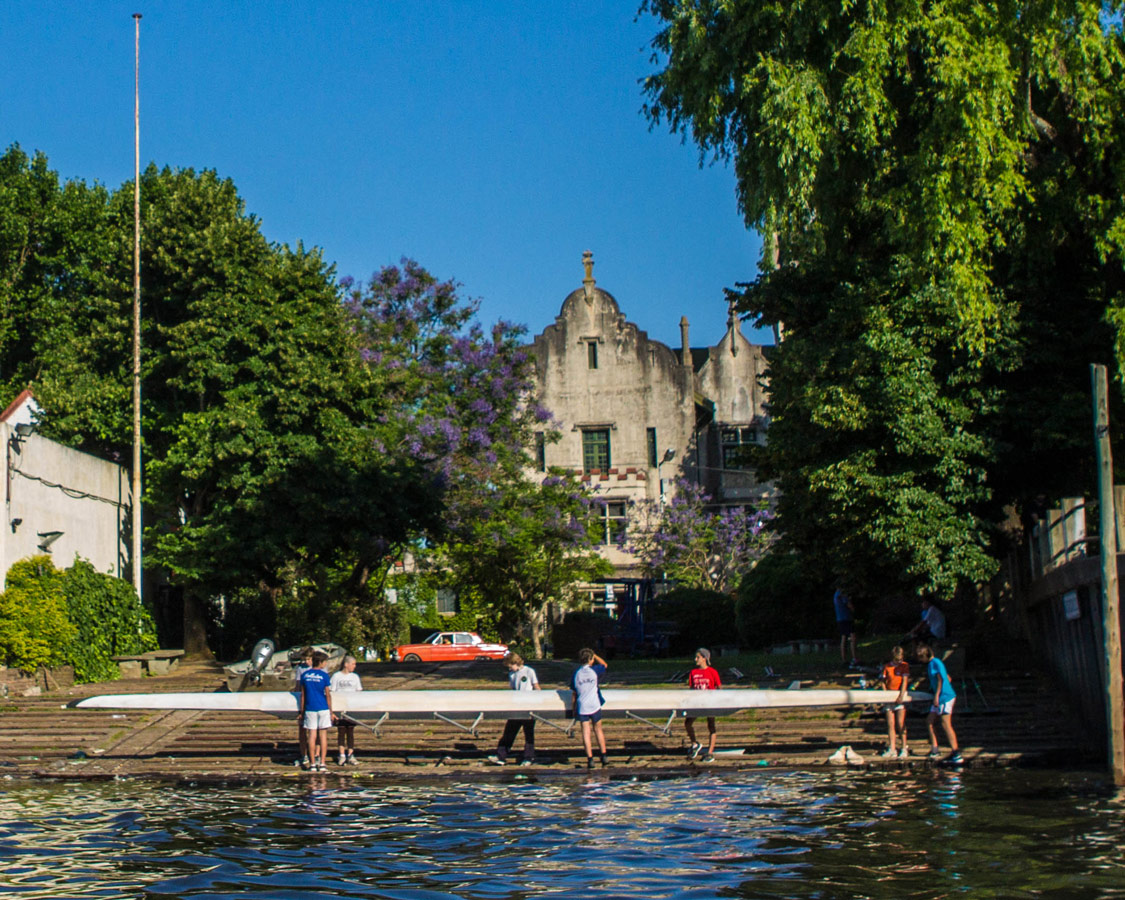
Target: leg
<point>950,734</point>
<point>511,729</point>
<point>689,727</point>
<point>601,737</point>
<point>322,735</point>
<point>350,734</point>
<point>312,736</point>
<point>900,722</point>
<point>931,720</point>
<point>586,739</point>
<point>890,729</point>
<point>529,739</point>
<point>714,735</point>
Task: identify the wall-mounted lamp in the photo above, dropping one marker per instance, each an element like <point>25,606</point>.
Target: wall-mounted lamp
<point>25,430</point>
<point>16,523</point>
<point>46,538</point>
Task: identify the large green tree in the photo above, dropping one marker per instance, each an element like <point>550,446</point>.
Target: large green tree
<point>940,187</point>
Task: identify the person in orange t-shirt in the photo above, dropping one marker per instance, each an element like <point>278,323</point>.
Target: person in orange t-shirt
<point>896,674</point>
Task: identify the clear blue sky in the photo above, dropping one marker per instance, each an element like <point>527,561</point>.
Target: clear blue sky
<point>491,141</point>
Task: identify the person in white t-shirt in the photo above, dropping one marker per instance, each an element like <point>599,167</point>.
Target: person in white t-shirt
<point>521,677</point>
<point>344,681</point>
<point>932,628</point>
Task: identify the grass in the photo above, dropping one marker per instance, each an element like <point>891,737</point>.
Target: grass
<point>873,651</point>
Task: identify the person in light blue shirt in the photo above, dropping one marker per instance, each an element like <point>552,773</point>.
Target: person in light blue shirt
<point>942,705</point>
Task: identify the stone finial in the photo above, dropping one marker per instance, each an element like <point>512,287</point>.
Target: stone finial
<point>588,282</point>
<point>733,324</point>
<point>684,341</point>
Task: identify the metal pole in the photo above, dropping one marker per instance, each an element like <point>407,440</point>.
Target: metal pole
<point>1111,621</point>
<point>138,519</point>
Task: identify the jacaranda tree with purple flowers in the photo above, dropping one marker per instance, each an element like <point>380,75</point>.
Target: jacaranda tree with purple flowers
<point>460,401</point>
<point>696,545</point>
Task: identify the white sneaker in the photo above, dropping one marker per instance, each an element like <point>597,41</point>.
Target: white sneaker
<point>840,757</point>
<point>495,760</point>
<point>904,753</point>
<point>889,753</point>
<point>852,758</point>
<point>341,759</point>
<point>351,760</point>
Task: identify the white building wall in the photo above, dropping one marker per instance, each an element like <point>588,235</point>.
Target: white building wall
<point>53,488</point>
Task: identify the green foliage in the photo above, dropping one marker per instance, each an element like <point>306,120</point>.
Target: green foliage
<point>702,618</point>
<point>941,191</point>
<point>34,627</point>
<point>109,620</point>
<point>524,545</point>
<point>783,598</point>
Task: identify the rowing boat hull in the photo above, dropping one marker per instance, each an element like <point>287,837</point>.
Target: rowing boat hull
<point>499,704</point>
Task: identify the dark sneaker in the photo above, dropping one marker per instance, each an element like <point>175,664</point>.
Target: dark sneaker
<point>954,758</point>
<point>605,761</point>
<point>708,757</point>
<point>694,751</point>
<point>589,762</point>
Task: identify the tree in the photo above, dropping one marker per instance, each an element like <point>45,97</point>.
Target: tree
<point>940,192</point>
<point>694,544</point>
<point>526,544</point>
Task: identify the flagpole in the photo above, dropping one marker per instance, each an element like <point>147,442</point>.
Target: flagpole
<point>138,520</point>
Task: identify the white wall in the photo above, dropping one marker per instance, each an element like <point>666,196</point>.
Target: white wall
<point>49,487</point>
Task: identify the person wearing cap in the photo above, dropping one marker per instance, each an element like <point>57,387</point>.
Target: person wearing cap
<point>704,677</point>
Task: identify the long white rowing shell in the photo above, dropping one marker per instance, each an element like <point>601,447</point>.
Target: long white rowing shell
<point>501,704</point>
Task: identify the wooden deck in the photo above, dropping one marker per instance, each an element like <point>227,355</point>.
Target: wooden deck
<point>1021,719</point>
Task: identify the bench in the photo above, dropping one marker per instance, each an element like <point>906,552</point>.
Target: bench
<point>154,662</point>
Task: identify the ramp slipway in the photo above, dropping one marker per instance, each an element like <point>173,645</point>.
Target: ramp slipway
<point>501,704</point>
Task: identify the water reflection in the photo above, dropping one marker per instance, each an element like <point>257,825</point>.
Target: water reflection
<point>773,834</point>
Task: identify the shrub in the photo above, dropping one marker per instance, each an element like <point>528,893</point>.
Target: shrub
<point>110,621</point>
<point>782,599</point>
<point>35,629</point>
<point>701,618</point>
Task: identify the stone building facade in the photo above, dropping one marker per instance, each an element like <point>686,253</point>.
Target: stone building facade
<point>636,416</point>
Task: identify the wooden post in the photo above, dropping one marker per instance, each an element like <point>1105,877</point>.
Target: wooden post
<point>1115,711</point>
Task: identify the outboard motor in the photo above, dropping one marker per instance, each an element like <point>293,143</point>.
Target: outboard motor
<point>259,658</point>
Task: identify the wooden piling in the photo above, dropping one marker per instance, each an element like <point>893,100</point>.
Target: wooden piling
<point>1115,703</point>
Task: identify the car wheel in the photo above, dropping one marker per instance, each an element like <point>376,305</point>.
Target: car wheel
<point>412,657</point>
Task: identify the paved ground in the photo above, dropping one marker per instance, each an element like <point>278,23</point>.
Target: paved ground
<point>1016,718</point>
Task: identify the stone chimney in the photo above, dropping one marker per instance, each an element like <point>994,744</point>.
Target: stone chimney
<point>684,341</point>
<point>733,325</point>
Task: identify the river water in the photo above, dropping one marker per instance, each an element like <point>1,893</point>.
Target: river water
<point>933,833</point>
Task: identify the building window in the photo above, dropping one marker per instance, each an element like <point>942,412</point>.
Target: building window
<point>592,354</point>
<point>595,449</point>
<point>611,521</point>
<point>735,441</point>
<point>652,460</point>
<point>447,602</point>
<point>540,452</point>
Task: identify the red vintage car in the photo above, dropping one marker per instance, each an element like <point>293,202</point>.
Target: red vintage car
<point>446,646</point>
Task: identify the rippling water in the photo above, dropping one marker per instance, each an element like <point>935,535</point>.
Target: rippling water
<point>989,833</point>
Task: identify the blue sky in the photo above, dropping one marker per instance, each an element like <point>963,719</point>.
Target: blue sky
<point>491,141</point>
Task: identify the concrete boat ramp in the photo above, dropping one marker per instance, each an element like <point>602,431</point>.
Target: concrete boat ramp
<point>1004,718</point>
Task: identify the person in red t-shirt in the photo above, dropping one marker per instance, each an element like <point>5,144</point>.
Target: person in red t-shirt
<point>702,678</point>
<point>896,674</point>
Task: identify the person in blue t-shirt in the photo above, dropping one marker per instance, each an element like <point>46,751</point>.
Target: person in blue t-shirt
<point>942,705</point>
<point>316,710</point>
<point>588,701</point>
